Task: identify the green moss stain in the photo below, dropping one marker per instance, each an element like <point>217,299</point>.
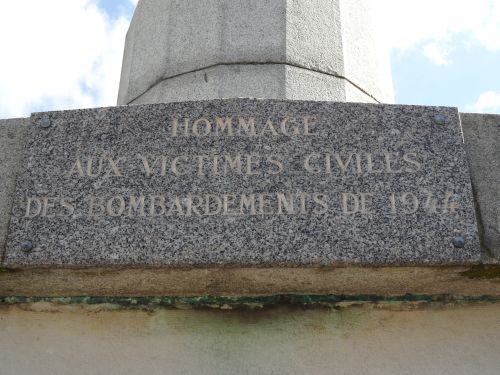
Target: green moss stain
<point>483,272</point>
<point>243,302</point>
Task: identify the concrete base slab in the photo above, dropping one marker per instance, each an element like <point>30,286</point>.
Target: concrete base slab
<point>47,339</point>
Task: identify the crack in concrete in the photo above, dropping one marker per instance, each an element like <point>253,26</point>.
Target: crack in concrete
<point>335,75</point>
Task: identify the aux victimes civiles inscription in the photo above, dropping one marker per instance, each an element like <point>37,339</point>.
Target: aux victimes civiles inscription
<point>244,182</point>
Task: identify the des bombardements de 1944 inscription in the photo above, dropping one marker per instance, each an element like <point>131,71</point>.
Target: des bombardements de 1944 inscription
<point>244,182</point>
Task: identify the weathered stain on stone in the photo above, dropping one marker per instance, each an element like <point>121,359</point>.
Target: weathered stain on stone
<point>483,272</point>
<point>408,301</point>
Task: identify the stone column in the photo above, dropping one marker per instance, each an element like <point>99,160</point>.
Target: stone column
<point>179,50</point>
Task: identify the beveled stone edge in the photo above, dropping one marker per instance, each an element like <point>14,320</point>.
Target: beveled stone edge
<point>454,280</point>
<point>10,172</point>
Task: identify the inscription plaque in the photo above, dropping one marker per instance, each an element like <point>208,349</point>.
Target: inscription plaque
<point>244,182</point>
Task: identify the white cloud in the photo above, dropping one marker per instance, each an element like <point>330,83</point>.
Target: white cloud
<point>58,54</point>
<point>410,24</point>
<point>487,102</point>
<point>439,55</point>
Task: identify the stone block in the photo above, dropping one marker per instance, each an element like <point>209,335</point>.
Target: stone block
<point>366,62</point>
<point>170,39</point>
<point>12,134</point>
<point>482,141</point>
<point>244,183</point>
<point>271,81</point>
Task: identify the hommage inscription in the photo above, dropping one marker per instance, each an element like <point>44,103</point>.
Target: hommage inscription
<point>279,203</point>
<point>244,182</point>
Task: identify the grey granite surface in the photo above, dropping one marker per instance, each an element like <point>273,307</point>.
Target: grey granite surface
<point>314,184</point>
<point>270,81</point>
<point>12,134</point>
<point>222,47</point>
<point>482,141</point>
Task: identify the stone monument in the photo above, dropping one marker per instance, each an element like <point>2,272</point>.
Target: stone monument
<point>210,179</point>
<point>279,49</point>
<point>254,165</point>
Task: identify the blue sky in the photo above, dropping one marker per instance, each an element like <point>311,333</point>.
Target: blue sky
<point>117,7</point>
<point>471,72</point>
<point>62,54</point>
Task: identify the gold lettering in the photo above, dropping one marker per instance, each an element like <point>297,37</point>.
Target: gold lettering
<point>343,165</point>
<point>389,159</point>
<point>175,167</point>
<point>309,122</point>
<point>234,163</point>
<point>96,202</point>
<point>284,128</point>
<point>201,160</point>
<point>176,207</point>
<point>250,164</point>
<point>248,125</point>
<point>328,164</point>
<point>90,161</point>
<point>228,200</point>
<point>148,168</point>
<point>307,163</point>
<point>350,203</point>
<point>196,124</point>
<point>215,208</point>
<point>269,127</point>
<point>115,211</point>
<point>215,165</point>
<point>222,124</point>
<point>29,213</point>
<point>136,204</point>
<point>157,200</point>
<point>321,200</point>
<point>431,203</point>
<point>67,204</point>
<point>175,127</point>
<point>277,163</point>
<point>264,203</point>
<point>411,201</point>
<point>410,159</point>
<point>449,206</point>
<point>247,201</point>
<point>303,197</point>
<point>286,202</point>
<point>47,204</point>
<point>365,203</point>
<point>77,168</point>
<point>191,207</point>
<point>114,167</point>
<point>369,160</point>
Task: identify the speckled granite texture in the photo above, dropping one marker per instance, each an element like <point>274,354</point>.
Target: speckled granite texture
<point>281,183</point>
